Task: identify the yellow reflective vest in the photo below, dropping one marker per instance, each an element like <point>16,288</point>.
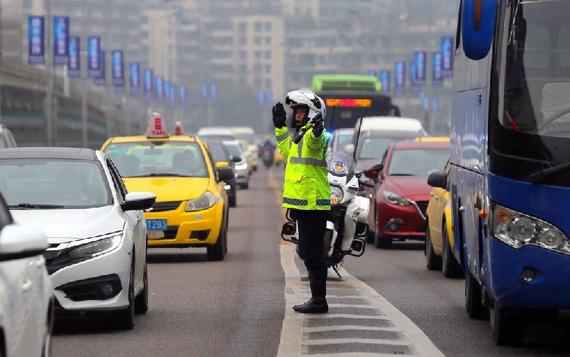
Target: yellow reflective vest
<point>306,186</point>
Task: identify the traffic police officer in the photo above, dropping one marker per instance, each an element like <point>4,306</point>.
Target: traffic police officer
<point>306,191</point>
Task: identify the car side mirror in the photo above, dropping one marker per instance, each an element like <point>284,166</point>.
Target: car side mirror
<point>437,179</point>
<point>221,164</point>
<point>225,174</point>
<point>374,171</point>
<point>349,149</point>
<point>235,158</point>
<point>17,242</point>
<point>135,201</point>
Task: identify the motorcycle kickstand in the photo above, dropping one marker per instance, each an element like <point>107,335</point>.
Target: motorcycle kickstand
<point>336,268</point>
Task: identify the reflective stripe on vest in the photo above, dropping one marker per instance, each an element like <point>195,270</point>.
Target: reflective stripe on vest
<point>283,136</point>
<point>324,202</point>
<point>307,161</point>
<point>295,201</point>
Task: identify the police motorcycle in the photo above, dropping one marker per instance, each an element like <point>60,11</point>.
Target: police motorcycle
<point>347,224</point>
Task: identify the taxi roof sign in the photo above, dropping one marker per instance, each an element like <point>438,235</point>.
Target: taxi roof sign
<point>156,127</point>
<point>178,129</point>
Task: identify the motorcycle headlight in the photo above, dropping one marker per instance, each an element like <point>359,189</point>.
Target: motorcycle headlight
<point>396,199</point>
<point>519,230</point>
<point>336,195</point>
<point>207,200</point>
<point>94,248</point>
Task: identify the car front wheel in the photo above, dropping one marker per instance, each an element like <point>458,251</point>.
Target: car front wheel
<point>125,319</point>
<point>218,250</point>
<point>433,262</point>
<point>141,301</point>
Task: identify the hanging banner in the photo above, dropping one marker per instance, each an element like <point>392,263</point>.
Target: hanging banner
<point>385,79</point>
<point>101,78</point>
<point>447,48</point>
<point>420,64</point>
<point>148,81</point>
<point>182,93</point>
<point>134,77</point>
<point>213,92</point>
<point>413,81</point>
<point>437,73</point>
<point>400,75</point>
<point>159,88</point>
<point>117,69</point>
<point>74,64</point>
<point>93,56</point>
<point>36,44</point>
<point>60,40</point>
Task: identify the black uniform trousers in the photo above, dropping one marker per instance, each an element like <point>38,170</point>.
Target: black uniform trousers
<point>312,226</point>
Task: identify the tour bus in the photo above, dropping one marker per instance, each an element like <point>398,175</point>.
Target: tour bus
<point>510,160</point>
<point>350,97</point>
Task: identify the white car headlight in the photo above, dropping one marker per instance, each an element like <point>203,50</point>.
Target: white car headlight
<point>207,200</point>
<point>519,230</point>
<point>396,199</point>
<point>94,248</point>
<point>336,195</point>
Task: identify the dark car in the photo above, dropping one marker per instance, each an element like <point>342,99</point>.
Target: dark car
<point>401,194</point>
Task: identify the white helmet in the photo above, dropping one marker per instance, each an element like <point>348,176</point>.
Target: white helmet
<point>305,97</point>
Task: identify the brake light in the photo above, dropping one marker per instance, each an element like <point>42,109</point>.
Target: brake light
<point>156,127</point>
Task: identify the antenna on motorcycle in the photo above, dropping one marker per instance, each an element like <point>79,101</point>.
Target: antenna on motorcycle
<point>357,137</point>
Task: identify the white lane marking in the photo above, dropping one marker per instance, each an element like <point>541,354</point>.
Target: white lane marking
<point>296,327</point>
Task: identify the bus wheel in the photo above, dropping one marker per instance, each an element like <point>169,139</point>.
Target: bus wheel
<point>473,299</point>
<point>507,326</point>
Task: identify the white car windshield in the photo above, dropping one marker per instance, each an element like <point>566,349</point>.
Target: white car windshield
<point>51,184</point>
<point>160,159</point>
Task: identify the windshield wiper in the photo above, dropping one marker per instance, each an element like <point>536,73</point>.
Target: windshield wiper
<point>544,173</point>
<point>35,206</point>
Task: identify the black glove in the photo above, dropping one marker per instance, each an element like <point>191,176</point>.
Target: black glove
<point>279,115</point>
<point>318,128</point>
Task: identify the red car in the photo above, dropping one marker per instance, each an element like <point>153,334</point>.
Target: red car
<point>401,194</point>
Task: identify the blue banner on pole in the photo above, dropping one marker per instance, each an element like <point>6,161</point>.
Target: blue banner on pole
<point>204,91</point>
<point>36,44</point>
<point>437,73</point>
<point>159,88</point>
<point>134,77</point>
<point>182,93</point>
<point>447,48</point>
<point>400,75</point>
<point>93,56</point>
<point>101,77</point>
<point>74,63</point>
<point>213,92</point>
<point>386,79</point>
<point>147,83</point>
<point>413,80</point>
<point>420,64</point>
<point>118,69</point>
<point>60,40</point>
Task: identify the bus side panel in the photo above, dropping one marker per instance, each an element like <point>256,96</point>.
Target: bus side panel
<point>469,158</point>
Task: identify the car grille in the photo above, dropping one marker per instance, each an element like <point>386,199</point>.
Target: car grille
<point>171,232</point>
<point>165,206</point>
<point>422,205</point>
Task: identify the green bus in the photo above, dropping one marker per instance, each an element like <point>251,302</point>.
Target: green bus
<point>349,97</point>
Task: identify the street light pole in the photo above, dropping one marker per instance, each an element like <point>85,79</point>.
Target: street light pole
<point>49,112</point>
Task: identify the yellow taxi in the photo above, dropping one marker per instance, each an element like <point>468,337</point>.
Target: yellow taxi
<point>439,243</point>
<point>191,208</point>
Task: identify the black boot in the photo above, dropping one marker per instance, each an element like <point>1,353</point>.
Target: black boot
<point>317,304</point>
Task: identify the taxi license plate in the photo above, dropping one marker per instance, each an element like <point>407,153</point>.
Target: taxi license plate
<point>156,225</point>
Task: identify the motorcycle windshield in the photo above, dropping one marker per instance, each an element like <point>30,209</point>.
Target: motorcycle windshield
<point>340,164</point>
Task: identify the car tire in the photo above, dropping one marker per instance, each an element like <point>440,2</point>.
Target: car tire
<point>125,319</point>
<point>507,326</point>
<point>232,201</point>
<point>217,251</point>
<point>371,237</point>
<point>141,301</point>
<point>433,262</point>
<point>382,242</point>
<point>450,266</point>
<point>245,186</point>
<point>473,299</point>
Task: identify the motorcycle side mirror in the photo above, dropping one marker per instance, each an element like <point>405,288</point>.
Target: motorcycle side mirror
<point>349,149</point>
<point>235,158</point>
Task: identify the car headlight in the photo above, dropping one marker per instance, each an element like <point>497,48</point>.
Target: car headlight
<point>396,199</point>
<point>519,230</point>
<point>94,248</point>
<point>336,195</point>
<point>207,200</point>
